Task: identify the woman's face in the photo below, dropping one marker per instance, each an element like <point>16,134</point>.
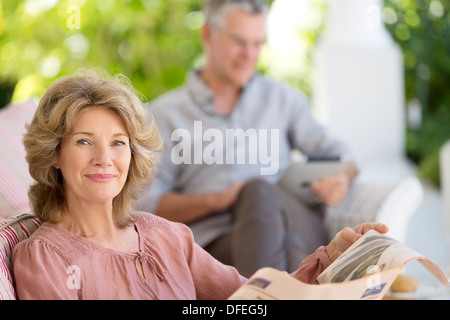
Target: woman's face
<point>94,159</point>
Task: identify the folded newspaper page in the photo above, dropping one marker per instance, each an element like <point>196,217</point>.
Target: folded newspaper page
<point>364,272</point>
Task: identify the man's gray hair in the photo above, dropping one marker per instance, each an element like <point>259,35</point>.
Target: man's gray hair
<point>216,10</point>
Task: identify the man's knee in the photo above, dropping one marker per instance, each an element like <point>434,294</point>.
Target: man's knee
<point>257,188</point>
<point>258,197</point>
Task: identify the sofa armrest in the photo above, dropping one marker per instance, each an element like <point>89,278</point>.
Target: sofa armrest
<point>12,231</point>
<point>392,203</point>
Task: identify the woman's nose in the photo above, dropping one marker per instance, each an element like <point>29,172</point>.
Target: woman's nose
<point>102,156</point>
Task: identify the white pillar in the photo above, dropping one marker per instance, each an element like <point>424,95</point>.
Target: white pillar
<point>445,192</point>
<point>358,83</point>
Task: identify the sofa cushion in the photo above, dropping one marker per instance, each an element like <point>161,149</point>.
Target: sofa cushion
<point>14,176</point>
<point>12,231</point>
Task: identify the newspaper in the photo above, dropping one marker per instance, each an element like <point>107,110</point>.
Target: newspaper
<point>365,271</point>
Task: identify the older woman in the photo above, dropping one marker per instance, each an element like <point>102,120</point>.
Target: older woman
<point>91,151</point>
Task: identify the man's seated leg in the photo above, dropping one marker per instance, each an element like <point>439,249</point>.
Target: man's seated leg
<point>273,229</point>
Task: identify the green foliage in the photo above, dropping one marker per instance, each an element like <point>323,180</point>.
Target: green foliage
<point>308,35</point>
<point>153,42</point>
<point>422,29</point>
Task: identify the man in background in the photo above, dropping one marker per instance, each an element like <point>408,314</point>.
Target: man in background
<point>229,133</point>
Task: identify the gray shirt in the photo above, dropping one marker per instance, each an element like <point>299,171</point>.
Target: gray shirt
<point>206,152</point>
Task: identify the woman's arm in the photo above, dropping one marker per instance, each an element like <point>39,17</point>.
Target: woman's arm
<point>316,263</point>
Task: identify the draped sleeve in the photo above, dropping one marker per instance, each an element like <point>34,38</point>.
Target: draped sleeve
<point>312,266</point>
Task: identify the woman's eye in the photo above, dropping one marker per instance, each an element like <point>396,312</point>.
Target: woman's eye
<point>82,142</point>
<point>119,143</point>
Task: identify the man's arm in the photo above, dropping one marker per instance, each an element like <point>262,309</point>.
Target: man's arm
<point>186,208</point>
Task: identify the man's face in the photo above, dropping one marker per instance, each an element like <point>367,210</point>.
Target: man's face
<point>233,51</point>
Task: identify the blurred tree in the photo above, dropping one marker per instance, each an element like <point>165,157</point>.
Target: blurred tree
<point>153,42</point>
<point>422,29</point>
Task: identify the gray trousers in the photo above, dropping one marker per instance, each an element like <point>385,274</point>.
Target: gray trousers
<point>271,229</point>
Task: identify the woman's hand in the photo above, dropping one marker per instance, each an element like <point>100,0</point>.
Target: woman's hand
<point>347,236</point>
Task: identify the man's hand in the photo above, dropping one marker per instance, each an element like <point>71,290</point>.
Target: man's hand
<point>186,208</point>
<point>224,200</point>
<point>347,236</point>
<point>332,189</point>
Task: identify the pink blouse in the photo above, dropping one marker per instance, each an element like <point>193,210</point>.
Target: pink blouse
<point>57,264</point>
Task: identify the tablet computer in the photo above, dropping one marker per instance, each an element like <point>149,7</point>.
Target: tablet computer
<point>299,176</point>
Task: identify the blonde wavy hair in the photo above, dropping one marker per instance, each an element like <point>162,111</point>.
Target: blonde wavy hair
<point>54,119</point>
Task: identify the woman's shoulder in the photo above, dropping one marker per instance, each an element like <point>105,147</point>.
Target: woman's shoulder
<point>43,236</point>
<point>152,221</point>
<point>148,221</point>
<point>52,240</point>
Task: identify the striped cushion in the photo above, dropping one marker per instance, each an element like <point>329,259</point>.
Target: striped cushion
<point>14,177</point>
<point>12,231</point>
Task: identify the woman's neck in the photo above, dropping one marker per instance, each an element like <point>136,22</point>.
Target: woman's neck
<point>89,221</point>
<point>96,223</point>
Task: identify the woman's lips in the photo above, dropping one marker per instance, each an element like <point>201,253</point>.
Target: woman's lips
<point>101,177</point>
